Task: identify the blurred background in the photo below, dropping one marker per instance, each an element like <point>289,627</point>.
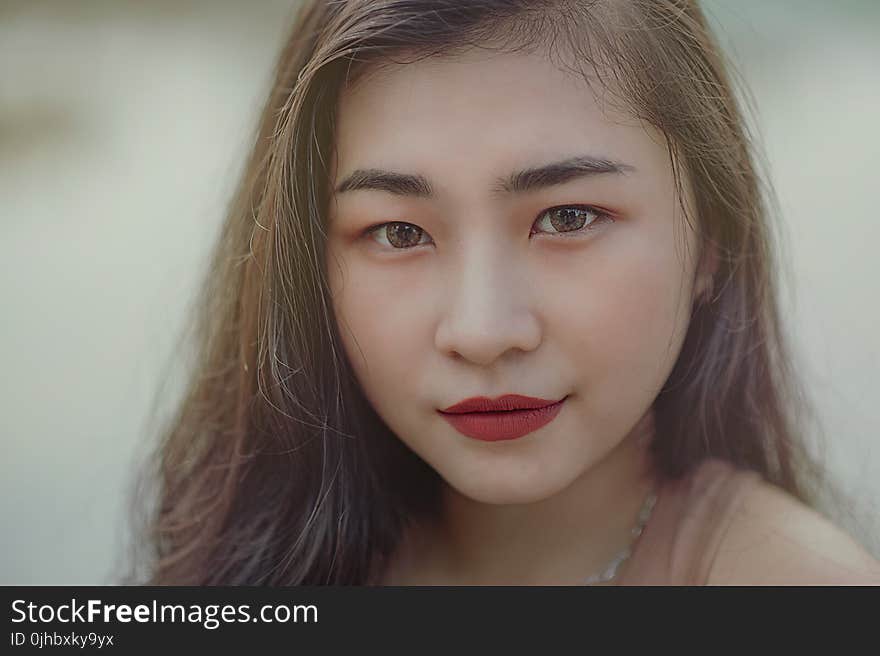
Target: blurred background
<point>123,127</point>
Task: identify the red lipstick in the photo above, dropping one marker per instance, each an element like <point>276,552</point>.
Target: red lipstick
<point>505,418</point>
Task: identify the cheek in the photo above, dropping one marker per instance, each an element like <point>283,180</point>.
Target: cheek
<point>631,315</point>
<point>378,318</point>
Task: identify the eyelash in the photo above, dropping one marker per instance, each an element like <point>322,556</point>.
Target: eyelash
<point>600,216</point>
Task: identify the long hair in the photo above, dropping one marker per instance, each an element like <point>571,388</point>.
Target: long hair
<point>275,470</point>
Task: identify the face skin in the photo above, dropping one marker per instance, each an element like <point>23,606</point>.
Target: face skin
<point>481,307</point>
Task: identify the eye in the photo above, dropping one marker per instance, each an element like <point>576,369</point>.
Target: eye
<point>571,218</point>
<point>398,234</point>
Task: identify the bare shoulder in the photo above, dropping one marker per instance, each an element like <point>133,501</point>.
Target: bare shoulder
<point>774,539</point>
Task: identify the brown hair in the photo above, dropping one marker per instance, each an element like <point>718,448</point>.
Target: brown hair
<point>275,469</point>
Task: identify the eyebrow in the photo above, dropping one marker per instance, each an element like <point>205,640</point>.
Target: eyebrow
<point>530,179</point>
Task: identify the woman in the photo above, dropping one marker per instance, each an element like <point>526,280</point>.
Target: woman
<point>495,304</point>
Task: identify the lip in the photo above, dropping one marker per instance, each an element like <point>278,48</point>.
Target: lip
<point>505,418</point>
<point>504,402</point>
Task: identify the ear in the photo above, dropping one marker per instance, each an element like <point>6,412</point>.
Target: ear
<point>705,274</point>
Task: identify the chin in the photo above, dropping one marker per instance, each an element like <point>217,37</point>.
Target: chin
<point>508,488</point>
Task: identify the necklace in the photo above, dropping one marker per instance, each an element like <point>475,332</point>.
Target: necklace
<point>610,570</point>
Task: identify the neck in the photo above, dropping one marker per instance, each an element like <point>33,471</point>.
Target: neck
<point>557,541</point>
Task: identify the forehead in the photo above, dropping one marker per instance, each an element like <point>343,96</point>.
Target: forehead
<point>471,116</point>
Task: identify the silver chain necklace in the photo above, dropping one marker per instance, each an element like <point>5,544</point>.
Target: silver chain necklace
<point>610,570</point>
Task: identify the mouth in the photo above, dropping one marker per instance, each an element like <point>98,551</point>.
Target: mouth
<point>506,418</point>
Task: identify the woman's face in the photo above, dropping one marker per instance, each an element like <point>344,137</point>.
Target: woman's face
<point>475,289</point>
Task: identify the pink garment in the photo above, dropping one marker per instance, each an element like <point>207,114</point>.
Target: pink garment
<point>679,542</point>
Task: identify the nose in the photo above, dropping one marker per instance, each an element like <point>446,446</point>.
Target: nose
<point>489,307</point>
